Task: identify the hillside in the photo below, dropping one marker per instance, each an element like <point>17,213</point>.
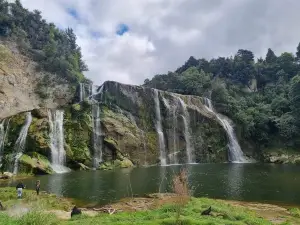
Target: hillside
<point>261,96</point>
<point>40,65</point>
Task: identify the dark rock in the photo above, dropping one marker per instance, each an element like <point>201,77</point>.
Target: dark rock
<point>206,212</point>
<point>75,211</point>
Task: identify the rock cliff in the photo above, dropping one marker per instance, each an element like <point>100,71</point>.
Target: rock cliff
<point>128,130</point>
<point>24,87</point>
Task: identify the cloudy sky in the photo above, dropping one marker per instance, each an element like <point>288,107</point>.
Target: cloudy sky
<point>131,40</point>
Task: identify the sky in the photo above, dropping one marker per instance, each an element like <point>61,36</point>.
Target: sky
<point>131,40</point>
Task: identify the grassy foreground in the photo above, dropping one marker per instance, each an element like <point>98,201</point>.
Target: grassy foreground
<point>39,210</point>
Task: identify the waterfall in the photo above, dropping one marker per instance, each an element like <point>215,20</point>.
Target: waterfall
<point>235,152</point>
<point>97,135</point>
<point>82,92</point>
<point>187,136</point>
<point>58,154</point>
<point>161,139</point>
<point>21,141</point>
<point>173,156</point>
<point>3,132</point>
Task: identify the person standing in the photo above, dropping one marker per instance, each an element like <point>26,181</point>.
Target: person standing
<point>37,187</point>
<point>19,189</point>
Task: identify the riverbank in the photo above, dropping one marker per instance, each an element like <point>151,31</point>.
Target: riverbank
<point>48,209</point>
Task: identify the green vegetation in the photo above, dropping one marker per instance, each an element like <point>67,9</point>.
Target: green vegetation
<point>55,50</point>
<point>48,209</point>
<point>262,96</point>
<point>30,200</point>
<point>78,132</point>
<point>191,214</point>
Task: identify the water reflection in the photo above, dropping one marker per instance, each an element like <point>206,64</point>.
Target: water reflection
<point>55,184</point>
<point>249,182</point>
<point>162,188</point>
<point>235,179</point>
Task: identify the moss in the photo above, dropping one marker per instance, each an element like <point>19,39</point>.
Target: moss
<point>78,133</point>
<point>110,165</point>
<point>76,107</point>
<point>34,164</point>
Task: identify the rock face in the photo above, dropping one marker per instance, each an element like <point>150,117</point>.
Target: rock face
<point>24,88</point>
<point>139,126</point>
<point>129,125</point>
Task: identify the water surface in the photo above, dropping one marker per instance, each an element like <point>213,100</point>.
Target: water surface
<point>247,182</point>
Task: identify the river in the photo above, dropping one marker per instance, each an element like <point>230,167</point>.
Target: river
<point>278,184</point>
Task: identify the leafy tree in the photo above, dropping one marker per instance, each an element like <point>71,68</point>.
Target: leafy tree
<point>271,57</point>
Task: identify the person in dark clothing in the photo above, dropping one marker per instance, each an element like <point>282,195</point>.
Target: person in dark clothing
<point>19,189</point>
<point>75,211</point>
<point>37,187</point>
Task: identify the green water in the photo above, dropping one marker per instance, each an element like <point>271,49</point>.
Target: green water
<point>248,182</point>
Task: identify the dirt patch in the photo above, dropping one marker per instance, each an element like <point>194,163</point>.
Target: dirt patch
<point>273,213</point>
<point>18,210</point>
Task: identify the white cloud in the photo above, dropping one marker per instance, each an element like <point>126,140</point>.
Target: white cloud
<point>164,33</point>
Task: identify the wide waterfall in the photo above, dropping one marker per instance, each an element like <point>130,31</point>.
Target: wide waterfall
<point>162,147</point>
<point>4,126</point>
<point>235,152</point>
<point>58,154</point>
<point>21,141</point>
<point>187,136</point>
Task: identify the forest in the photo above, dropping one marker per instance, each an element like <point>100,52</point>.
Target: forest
<point>261,96</point>
<point>54,49</point>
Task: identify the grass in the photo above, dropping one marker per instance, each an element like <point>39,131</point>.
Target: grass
<point>165,214</point>
<point>8,198</point>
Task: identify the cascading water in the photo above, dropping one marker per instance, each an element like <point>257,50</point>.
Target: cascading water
<point>187,136</point>
<point>21,141</point>
<point>97,135</point>
<point>3,132</point>
<point>82,92</point>
<point>171,109</point>
<point>173,156</point>
<point>97,132</point>
<point>235,152</point>
<point>161,139</point>
<point>58,154</point>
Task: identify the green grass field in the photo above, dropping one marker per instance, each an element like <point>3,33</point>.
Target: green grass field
<point>222,213</point>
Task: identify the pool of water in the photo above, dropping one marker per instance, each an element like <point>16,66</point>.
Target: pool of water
<point>248,182</point>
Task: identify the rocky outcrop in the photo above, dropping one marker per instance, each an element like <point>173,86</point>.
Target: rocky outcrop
<point>24,87</point>
<point>128,120</point>
<point>281,157</point>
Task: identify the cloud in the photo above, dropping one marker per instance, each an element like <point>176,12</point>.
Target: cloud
<point>129,41</point>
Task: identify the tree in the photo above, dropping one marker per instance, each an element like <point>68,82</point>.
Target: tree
<point>245,55</point>
<point>298,52</point>
<point>294,95</point>
<point>270,57</point>
<point>286,62</point>
<point>189,63</point>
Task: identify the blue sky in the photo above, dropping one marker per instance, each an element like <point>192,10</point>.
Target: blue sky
<point>122,29</point>
<point>129,41</point>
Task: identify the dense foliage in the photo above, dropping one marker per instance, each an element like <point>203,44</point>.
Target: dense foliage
<point>262,96</point>
<point>55,50</point>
